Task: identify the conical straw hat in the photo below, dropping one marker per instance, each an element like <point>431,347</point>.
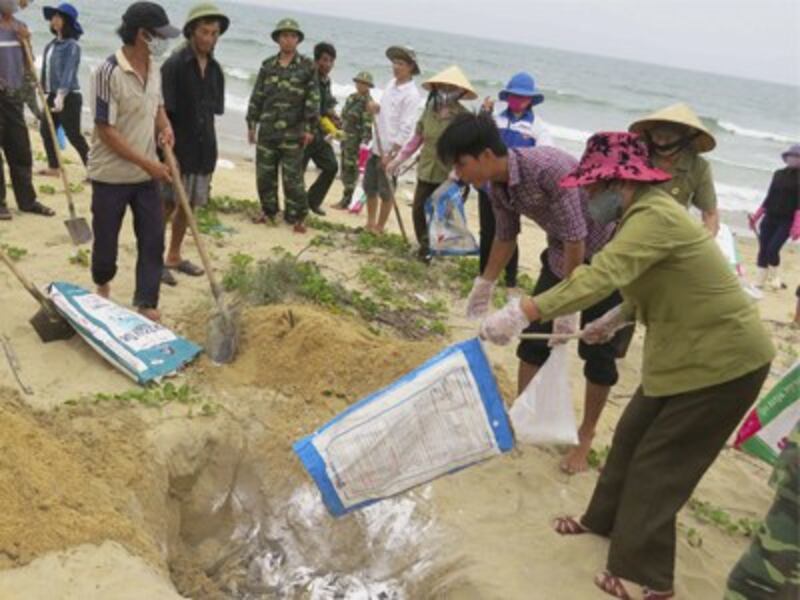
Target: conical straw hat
<point>682,114</point>
<point>453,76</point>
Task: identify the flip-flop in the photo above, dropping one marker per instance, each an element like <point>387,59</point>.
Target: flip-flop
<point>37,208</point>
<point>168,278</point>
<point>569,526</point>
<point>187,268</point>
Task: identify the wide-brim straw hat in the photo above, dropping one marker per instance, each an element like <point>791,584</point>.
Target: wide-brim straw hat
<point>405,53</point>
<point>682,114</point>
<point>614,156</point>
<point>452,76</point>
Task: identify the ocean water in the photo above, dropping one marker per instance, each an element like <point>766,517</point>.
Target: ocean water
<point>752,121</point>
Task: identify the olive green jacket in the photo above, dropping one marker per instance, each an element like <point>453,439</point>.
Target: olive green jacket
<point>702,330</point>
<point>692,181</point>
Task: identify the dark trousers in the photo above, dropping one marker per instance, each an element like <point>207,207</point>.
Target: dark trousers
<point>321,152</point>
<point>661,448</point>
<point>772,236</point>
<point>487,227</point>
<point>109,202</point>
<point>422,192</point>
<point>600,364</point>
<point>16,146</point>
<point>70,120</point>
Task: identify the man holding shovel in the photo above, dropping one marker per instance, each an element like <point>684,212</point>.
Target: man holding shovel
<point>194,93</point>
<point>14,139</point>
<point>394,126</point>
<point>123,164</point>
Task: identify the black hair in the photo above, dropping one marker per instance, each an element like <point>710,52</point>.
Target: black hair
<point>67,29</point>
<point>189,31</point>
<point>324,48</point>
<point>127,33</point>
<point>469,134</point>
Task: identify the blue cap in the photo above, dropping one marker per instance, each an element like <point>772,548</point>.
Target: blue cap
<point>65,9</point>
<point>522,84</point>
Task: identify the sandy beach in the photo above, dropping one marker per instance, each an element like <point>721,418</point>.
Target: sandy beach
<point>116,499</point>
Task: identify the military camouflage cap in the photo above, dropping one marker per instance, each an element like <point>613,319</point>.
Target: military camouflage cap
<point>405,53</point>
<point>364,77</point>
<point>287,25</point>
<point>205,11</point>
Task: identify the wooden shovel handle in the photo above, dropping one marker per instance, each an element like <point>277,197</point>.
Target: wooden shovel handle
<point>26,283</point>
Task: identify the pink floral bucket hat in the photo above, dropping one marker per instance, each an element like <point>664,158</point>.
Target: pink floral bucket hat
<point>614,155</point>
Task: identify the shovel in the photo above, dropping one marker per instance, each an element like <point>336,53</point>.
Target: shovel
<point>78,228</point>
<point>223,336</point>
<point>49,325</point>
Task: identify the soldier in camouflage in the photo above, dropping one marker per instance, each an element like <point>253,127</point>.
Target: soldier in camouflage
<point>770,567</point>
<point>282,117</point>
<point>320,149</point>
<point>357,125</point>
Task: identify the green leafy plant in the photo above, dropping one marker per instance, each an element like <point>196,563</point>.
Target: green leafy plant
<point>76,188</point>
<point>155,396</point>
<point>15,253</point>
<point>597,458</point>
<point>46,188</point>
<point>705,512</point>
<point>82,257</point>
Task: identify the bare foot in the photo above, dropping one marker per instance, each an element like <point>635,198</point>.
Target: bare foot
<point>577,459</point>
<point>104,290</point>
<point>151,313</point>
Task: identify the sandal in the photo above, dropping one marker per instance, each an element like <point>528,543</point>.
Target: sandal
<point>168,278</point>
<point>612,585</point>
<point>648,594</point>
<point>187,267</point>
<point>569,526</point>
<point>37,208</point>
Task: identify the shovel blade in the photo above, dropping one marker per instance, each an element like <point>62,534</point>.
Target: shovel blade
<point>223,338</point>
<point>79,230</point>
<point>50,329</point>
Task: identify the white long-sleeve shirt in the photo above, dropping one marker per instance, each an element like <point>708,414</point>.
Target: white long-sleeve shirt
<point>397,118</point>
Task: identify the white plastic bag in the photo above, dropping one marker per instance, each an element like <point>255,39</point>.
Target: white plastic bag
<point>543,413</point>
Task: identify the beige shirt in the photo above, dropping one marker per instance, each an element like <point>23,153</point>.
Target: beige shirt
<point>122,99</point>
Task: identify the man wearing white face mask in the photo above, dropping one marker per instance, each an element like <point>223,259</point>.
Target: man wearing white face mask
<point>123,165</point>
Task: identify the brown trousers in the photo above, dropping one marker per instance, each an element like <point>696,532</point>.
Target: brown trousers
<point>661,448</point>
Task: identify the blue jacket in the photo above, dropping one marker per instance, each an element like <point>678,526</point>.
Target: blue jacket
<point>516,132</point>
<point>60,66</point>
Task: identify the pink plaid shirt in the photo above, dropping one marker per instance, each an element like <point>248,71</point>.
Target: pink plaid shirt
<point>532,190</point>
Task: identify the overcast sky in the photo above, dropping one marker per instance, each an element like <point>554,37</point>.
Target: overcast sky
<point>758,39</point>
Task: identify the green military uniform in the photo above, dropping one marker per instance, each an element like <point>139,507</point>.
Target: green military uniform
<point>357,125</point>
<point>320,150</point>
<point>770,568</point>
<point>284,105</point>
<point>692,181</point>
<point>706,355</point>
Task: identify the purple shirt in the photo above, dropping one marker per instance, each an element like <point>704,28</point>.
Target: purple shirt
<point>532,190</point>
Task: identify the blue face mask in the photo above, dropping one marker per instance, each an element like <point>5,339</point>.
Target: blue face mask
<point>606,207</point>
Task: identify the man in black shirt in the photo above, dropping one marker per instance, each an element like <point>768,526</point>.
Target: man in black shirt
<point>320,149</point>
<point>194,92</point>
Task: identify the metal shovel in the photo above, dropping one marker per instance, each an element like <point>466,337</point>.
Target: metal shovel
<point>48,323</point>
<point>222,337</point>
<point>78,228</point>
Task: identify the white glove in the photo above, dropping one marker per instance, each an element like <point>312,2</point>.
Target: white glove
<point>479,298</point>
<point>506,324</point>
<point>565,325</point>
<point>58,102</point>
<point>603,329</point>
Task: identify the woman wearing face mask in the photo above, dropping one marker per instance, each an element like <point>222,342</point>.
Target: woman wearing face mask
<point>676,138</point>
<point>519,128</point>
<point>62,57</point>
<point>780,218</point>
<point>706,355</point>
<point>446,89</point>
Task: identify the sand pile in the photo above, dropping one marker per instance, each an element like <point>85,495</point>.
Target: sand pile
<point>62,488</point>
<point>308,353</point>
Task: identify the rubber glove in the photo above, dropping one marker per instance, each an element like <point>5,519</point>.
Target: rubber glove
<point>479,298</point>
<point>794,232</point>
<point>504,325</point>
<point>603,329</point>
<point>755,218</point>
<point>58,101</point>
<point>566,325</point>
